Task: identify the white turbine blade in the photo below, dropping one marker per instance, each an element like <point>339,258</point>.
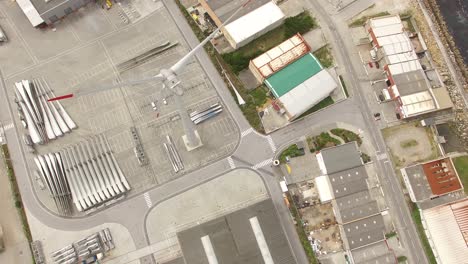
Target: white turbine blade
<point>107,87</point>
<point>182,62</point>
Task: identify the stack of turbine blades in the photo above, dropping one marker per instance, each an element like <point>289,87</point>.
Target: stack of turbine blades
<point>198,117</point>
<point>173,155</point>
<point>45,120</point>
<point>92,173</point>
<point>52,172</point>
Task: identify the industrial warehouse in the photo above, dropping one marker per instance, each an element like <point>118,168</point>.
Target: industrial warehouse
<point>294,76</point>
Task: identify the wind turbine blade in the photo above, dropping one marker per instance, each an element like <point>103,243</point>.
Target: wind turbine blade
<point>106,88</point>
<point>182,62</point>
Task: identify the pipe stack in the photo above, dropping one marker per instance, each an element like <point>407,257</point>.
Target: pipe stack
<point>45,120</point>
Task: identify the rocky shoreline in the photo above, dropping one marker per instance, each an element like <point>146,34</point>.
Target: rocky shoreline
<point>460,111</point>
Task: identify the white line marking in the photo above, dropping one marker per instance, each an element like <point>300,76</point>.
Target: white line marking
<point>246,132</point>
<point>148,201</point>
<point>382,156</point>
<point>262,164</point>
<point>9,126</point>
<point>272,143</point>
<point>231,162</point>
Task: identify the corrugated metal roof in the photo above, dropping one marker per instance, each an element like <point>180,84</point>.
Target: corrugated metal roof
<point>417,103</point>
<point>445,232</point>
<point>254,22</point>
<point>307,94</point>
<point>30,11</point>
<point>384,26</point>
<point>293,75</point>
<point>403,67</point>
<point>280,56</point>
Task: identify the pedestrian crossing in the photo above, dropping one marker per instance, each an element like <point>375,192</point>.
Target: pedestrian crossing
<point>381,156</point>
<point>272,143</point>
<point>148,201</point>
<point>262,164</point>
<point>246,132</point>
<point>231,162</point>
<point>8,126</point>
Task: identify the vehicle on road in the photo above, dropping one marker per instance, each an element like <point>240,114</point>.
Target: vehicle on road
<point>377,116</point>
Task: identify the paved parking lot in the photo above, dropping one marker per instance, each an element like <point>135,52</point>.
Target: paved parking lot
<point>83,51</point>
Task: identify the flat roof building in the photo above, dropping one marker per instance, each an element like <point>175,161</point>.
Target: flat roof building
<point>252,21</point>
<point>339,158</point>
<point>355,209</point>
<point>407,83</point>
<point>41,12</point>
<point>446,227</point>
<point>432,179</point>
<point>250,235</point>
<point>365,231</point>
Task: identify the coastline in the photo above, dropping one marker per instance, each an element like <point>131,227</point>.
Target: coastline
<point>449,42</point>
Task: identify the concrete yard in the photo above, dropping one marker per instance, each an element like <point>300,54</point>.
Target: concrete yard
<point>235,190</point>
<point>410,143</point>
<point>82,52</point>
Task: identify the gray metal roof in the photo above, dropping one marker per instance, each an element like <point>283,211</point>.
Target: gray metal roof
<point>388,258</point>
<point>341,157</point>
<point>233,240</point>
<point>411,82</point>
<point>42,6</point>
<point>357,206</point>
<point>225,8</point>
<point>418,181</point>
<point>175,261</point>
<point>364,231</point>
<point>348,181</point>
<point>371,252</point>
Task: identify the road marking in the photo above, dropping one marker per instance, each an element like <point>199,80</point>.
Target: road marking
<point>272,144</point>
<point>382,156</point>
<point>262,164</point>
<point>148,200</point>
<point>9,126</point>
<point>246,132</point>
<point>231,162</point>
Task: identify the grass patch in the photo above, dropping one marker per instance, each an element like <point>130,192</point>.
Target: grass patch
<point>416,215</point>
<point>461,165</point>
<point>301,232</point>
<point>365,158</point>
<point>346,135</point>
<point>402,259</point>
<point>16,194</point>
<point>292,151</point>
<point>239,59</point>
<point>344,86</point>
<point>322,104</point>
<point>361,21</point>
<point>324,140</point>
<point>409,143</point>
<point>390,234</point>
<point>325,56</point>
<point>253,99</point>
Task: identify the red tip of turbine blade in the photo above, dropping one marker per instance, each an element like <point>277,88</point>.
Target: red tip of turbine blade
<point>60,97</point>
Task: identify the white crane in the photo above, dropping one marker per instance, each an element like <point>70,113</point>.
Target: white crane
<point>170,80</point>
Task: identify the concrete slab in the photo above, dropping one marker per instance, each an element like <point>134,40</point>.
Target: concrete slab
<point>316,39</point>
<point>234,190</point>
<point>85,57</point>
<point>122,239</point>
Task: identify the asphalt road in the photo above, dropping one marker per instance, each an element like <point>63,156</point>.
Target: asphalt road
<point>353,111</point>
<point>338,31</point>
